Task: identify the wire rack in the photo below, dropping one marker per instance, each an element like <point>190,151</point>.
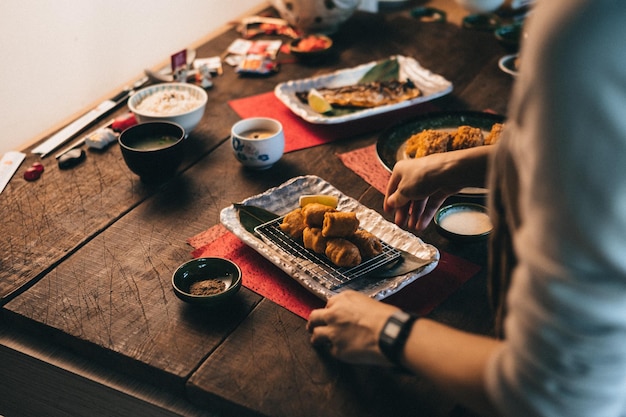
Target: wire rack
<point>318,266</point>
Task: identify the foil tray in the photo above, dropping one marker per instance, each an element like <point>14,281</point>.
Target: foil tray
<point>285,197</point>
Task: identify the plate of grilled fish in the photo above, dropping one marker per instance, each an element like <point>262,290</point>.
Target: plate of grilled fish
<point>366,90</point>
<point>323,274</point>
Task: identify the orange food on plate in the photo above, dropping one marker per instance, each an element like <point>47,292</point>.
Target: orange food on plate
<point>467,137</point>
<point>312,43</point>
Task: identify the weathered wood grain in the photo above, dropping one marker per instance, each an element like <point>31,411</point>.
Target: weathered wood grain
<point>87,254</point>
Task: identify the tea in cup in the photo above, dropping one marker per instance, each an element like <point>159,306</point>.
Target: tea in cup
<point>258,142</point>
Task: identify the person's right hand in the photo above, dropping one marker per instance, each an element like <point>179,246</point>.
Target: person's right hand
<point>419,186</point>
<point>412,195</point>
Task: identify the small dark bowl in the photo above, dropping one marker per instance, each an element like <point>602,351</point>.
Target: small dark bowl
<point>314,55</point>
<point>202,269</point>
<point>487,22</point>
<point>510,36</point>
<point>474,224</point>
<point>159,161</point>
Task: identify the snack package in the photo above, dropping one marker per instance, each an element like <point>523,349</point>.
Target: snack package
<point>253,57</point>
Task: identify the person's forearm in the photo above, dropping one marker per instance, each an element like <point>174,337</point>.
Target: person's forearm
<point>454,360</point>
<point>469,166</point>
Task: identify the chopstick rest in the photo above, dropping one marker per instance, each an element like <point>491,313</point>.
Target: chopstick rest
<point>71,158</point>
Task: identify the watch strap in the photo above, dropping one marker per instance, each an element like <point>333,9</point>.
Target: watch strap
<point>394,335</point>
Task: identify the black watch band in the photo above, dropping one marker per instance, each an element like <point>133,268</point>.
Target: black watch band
<point>394,334</point>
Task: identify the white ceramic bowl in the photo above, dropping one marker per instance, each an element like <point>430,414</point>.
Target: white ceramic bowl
<point>480,6</point>
<point>463,222</point>
<point>172,102</point>
<point>315,16</point>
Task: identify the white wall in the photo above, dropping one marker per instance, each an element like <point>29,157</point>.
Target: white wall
<point>59,57</point>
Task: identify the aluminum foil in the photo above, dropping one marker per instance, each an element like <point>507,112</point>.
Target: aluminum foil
<point>285,197</point>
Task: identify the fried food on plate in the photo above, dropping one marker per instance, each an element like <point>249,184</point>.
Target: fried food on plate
<point>293,224</point>
<point>313,240</point>
<point>335,234</point>
<point>342,252</point>
<point>494,134</point>
<point>427,142</point>
<point>313,214</point>
<point>339,224</point>
<point>369,245</point>
<point>467,137</point>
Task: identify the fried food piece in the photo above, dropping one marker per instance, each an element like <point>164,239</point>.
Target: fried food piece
<point>313,214</point>
<point>494,134</point>
<point>340,224</point>
<point>313,240</point>
<point>342,252</point>
<point>427,142</point>
<point>369,245</point>
<point>467,137</point>
<point>293,224</point>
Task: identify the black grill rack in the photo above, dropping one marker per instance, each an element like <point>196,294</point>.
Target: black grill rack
<point>318,266</point>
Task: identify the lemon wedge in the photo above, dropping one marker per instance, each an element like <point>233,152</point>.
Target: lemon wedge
<point>327,200</point>
<point>317,102</point>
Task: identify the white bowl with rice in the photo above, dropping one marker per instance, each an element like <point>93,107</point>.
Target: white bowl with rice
<point>173,102</point>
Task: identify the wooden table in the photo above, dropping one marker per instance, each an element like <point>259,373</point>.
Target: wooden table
<point>89,320</point>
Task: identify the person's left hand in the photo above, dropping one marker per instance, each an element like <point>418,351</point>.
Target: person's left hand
<point>349,327</point>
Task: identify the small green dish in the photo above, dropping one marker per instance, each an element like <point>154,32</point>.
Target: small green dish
<point>486,22</point>
<point>220,278</point>
<point>464,222</point>
<point>509,36</point>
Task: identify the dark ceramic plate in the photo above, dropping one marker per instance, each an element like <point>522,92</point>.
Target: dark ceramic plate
<point>392,142</point>
<point>509,36</point>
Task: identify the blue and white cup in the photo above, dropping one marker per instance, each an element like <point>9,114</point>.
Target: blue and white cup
<point>258,142</point>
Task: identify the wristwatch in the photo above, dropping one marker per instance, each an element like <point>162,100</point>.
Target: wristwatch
<point>394,334</point>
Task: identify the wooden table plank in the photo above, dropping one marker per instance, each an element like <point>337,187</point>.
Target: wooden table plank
<point>276,372</point>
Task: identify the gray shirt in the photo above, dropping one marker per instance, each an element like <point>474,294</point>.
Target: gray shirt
<point>559,181</point>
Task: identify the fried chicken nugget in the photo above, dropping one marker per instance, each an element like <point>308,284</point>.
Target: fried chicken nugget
<point>467,137</point>
<point>427,142</point>
<point>342,252</point>
<point>293,224</point>
<point>369,245</point>
<point>494,134</point>
<point>313,214</point>
<point>340,224</point>
<point>313,240</point>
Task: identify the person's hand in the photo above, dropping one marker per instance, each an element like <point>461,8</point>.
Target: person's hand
<point>417,189</point>
<point>419,186</point>
<point>349,327</point>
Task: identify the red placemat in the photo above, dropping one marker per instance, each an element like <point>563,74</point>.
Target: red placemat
<point>365,163</point>
<point>264,278</point>
<point>300,134</point>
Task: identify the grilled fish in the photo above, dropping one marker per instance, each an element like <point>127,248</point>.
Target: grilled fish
<point>366,95</point>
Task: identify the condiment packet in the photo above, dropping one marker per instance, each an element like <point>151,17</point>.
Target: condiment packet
<point>267,48</point>
<point>253,57</point>
<point>257,64</point>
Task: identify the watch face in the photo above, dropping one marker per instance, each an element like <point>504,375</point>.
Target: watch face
<point>392,329</point>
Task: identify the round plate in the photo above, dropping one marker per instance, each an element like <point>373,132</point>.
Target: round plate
<point>472,225</point>
<point>392,142</point>
<point>509,35</point>
<point>508,64</point>
<point>488,22</point>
